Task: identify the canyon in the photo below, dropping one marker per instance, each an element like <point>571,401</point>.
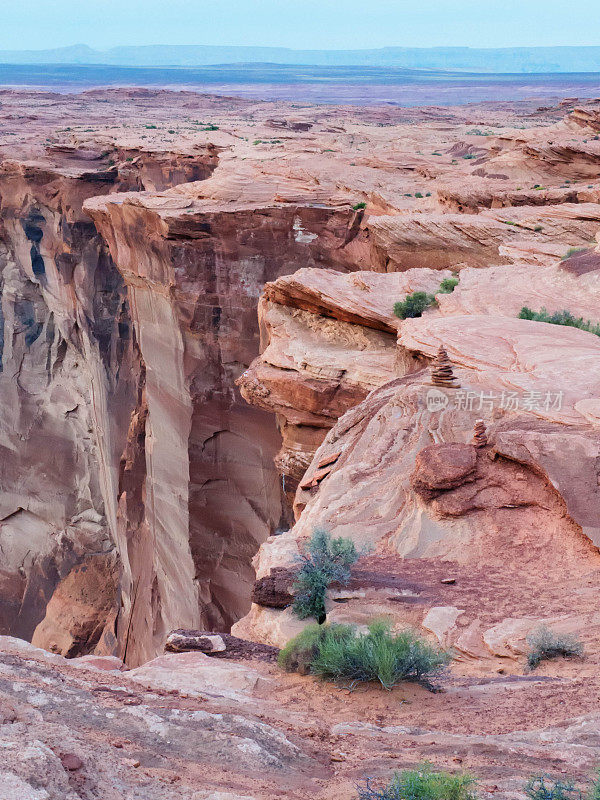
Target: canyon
<point>201,365</point>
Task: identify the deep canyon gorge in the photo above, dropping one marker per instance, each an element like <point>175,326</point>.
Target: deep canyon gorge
<point>200,365</point>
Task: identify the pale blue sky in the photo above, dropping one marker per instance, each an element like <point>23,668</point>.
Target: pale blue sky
<point>325,24</point>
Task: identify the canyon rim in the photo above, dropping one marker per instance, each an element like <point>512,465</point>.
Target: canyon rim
<point>201,366</point>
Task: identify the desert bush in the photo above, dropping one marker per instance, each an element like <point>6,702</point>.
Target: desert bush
<point>545,644</point>
<point>324,560</point>
<point>560,318</point>
<point>544,788</point>
<point>422,784</point>
<point>594,792</point>
<point>571,252</point>
<point>341,653</point>
<point>359,206</point>
<point>448,285</point>
<point>299,653</point>
<point>413,305</point>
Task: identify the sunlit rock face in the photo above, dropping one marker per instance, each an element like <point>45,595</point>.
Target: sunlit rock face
<point>73,412</point>
<point>138,230</point>
<point>212,493</point>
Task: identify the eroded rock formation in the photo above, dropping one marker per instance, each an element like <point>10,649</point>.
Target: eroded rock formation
<point>136,484</point>
<point>409,483</point>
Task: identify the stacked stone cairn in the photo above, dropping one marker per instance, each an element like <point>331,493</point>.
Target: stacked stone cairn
<point>442,374</point>
<point>480,438</point>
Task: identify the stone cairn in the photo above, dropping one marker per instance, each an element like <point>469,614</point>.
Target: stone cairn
<point>480,438</point>
<point>441,373</point>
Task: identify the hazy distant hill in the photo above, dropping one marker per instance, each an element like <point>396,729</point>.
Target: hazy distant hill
<point>514,59</point>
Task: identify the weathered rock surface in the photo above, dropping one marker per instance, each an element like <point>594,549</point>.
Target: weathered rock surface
<point>407,481</point>
<point>138,229</point>
<point>67,387</point>
<point>193,272</point>
<point>168,730</point>
<point>312,330</point>
<point>182,640</point>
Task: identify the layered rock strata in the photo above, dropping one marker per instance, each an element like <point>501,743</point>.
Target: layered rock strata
<point>193,272</point>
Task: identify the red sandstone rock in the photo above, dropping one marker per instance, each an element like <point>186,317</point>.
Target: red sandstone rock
<point>442,467</point>
<point>71,762</point>
<point>126,436</point>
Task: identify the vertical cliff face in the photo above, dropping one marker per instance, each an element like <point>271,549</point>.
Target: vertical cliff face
<point>67,386</point>
<point>136,484</point>
<point>71,398</point>
<point>211,494</point>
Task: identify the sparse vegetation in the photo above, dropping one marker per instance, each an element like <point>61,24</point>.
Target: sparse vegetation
<point>544,788</point>
<point>341,653</point>
<point>571,252</point>
<point>560,318</point>
<point>546,644</point>
<point>448,285</point>
<point>413,305</point>
<point>359,206</point>
<point>324,561</point>
<point>422,784</point>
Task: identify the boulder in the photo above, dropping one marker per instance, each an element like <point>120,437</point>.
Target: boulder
<point>181,640</point>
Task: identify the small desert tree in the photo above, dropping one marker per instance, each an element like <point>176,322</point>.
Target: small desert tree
<point>324,561</point>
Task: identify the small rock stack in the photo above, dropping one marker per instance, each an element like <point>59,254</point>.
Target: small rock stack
<point>441,373</point>
<point>480,438</point>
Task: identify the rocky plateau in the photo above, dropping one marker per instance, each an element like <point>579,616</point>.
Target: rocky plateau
<point>200,365</point>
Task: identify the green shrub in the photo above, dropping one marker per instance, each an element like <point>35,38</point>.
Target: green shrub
<point>422,784</point>
<point>545,644</point>
<point>571,252</point>
<point>340,653</point>
<point>324,561</point>
<point>544,788</point>
<point>448,285</point>
<point>594,793</point>
<point>301,651</point>
<point>560,318</point>
<point>413,305</point>
<point>359,206</point>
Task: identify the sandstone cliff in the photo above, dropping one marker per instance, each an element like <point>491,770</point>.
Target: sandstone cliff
<point>138,230</point>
